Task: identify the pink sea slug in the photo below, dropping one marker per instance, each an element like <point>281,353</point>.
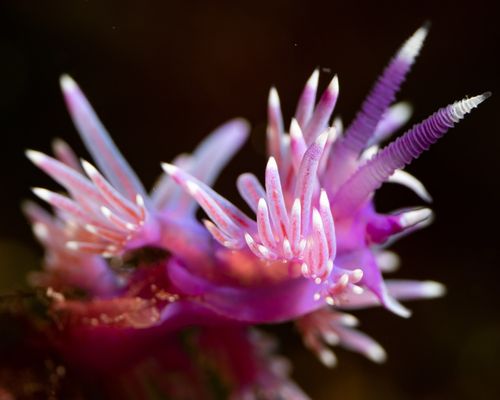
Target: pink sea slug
<point>315,248</point>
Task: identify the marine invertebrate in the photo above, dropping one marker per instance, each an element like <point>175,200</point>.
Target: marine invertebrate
<point>312,251</point>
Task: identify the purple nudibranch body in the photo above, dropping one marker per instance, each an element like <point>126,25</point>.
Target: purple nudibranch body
<point>315,247</point>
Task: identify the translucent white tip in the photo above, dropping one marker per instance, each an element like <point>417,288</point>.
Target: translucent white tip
<point>412,46</point>
<point>433,289</point>
<point>67,83</point>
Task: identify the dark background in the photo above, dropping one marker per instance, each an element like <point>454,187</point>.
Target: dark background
<point>163,74</point>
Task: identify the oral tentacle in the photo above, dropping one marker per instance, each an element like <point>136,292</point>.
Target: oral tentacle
<point>98,141</point>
